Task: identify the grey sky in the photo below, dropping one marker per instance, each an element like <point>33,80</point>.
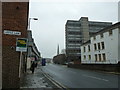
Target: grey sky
<point>49,30</point>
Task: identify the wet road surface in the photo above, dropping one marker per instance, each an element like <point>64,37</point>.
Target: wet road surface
<point>76,78</point>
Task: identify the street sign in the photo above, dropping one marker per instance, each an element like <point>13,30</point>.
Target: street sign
<point>21,44</point>
<point>9,32</point>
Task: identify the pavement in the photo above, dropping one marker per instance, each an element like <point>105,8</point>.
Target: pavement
<point>37,81</point>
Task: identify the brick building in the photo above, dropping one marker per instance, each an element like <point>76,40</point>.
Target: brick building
<point>59,59</point>
<point>14,25</point>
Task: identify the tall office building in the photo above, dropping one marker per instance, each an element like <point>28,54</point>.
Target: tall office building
<point>78,32</point>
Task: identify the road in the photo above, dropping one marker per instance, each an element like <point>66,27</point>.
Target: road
<point>76,78</point>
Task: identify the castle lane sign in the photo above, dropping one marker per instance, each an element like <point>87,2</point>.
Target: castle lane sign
<point>9,32</point>
<point>21,44</point>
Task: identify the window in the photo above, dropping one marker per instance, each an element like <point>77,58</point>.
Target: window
<point>110,32</point>
<point>101,35</point>
<point>98,46</point>
<point>84,57</point>
<point>95,57</point>
<point>103,46</point>
<point>89,57</point>
<point>88,47</point>
<point>99,57</point>
<point>94,37</point>
<point>74,33</point>
<point>95,47</point>
<point>104,57</point>
<point>84,49</point>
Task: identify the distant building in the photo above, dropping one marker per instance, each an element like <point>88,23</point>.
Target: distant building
<point>32,52</point>
<point>48,60</point>
<point>78,32</point>
<point>58,50</point>
<point>103,47</point>
<point>59,59</point>
<point>63,51</point>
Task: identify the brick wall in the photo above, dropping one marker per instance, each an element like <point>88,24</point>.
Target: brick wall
<point>14,18</point>
<point>10,68</point>
<point>99,67</point>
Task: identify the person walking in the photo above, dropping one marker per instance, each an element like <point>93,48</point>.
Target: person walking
<point>32,68</point>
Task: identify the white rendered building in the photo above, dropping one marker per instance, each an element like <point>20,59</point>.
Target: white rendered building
<point>103,47</point>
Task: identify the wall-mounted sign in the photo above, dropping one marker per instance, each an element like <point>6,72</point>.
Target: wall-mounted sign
<point>21,44</point>
<point>12,32</point>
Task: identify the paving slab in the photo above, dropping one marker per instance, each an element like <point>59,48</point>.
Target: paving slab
<point>36,80</point>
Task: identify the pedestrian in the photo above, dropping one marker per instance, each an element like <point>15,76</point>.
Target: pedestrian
<point>36,64</point>
<point>32,68</point>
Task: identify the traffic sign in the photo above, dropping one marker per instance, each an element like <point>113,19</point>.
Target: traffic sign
<point>21,44</point>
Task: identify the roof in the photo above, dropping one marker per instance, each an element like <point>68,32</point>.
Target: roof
<point>114,26</point>
<point>100,22</point>
<point>87,42</point>
<point>72,22</point>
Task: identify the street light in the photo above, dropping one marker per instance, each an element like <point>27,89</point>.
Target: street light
<point>29,22</point>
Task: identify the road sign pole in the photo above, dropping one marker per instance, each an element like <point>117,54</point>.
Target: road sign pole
<point>20,63</point>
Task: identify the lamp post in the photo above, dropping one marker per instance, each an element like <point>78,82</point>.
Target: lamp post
<point>29,22</point>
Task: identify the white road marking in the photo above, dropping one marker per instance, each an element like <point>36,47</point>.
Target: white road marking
<point>95,77</point>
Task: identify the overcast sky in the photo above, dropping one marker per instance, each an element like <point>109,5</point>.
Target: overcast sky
<point>49,30</point>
